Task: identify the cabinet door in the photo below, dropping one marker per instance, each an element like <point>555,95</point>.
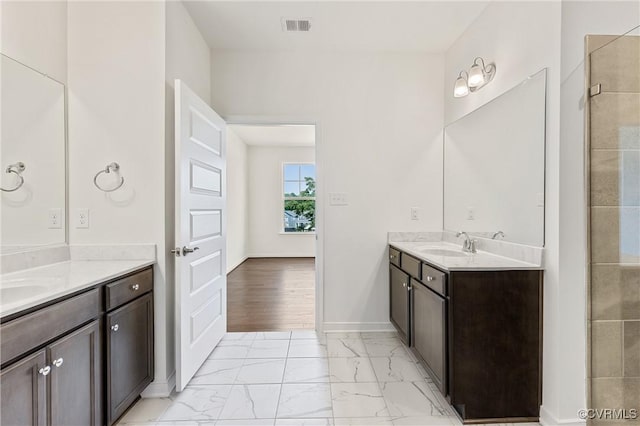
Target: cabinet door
<point>429,331</point>
<point>399,294</point>
<point>76,378</point>
<point>22,392</point>
<point>129,354</point>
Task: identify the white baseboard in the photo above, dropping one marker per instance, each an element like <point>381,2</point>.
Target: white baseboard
<point>160,389</point>
<point>281,255</point>
<point>548,419</point>
<point>357,326</point>
<point>232,267</point>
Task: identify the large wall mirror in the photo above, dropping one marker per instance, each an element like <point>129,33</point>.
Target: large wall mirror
<point>494,167</point>
<point>32,158</point>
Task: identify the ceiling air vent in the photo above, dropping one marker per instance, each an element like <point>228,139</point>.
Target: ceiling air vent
<point>290,24</point>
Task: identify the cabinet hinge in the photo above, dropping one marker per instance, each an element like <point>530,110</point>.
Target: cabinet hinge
<point>595,90</point>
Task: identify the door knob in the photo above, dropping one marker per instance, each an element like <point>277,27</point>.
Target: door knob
<point>186,250</point>
<point>45,370</point>
<point>115,327</point>
<point>58,362</point>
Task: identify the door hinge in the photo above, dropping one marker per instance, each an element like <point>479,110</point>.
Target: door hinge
<point>595,90</point>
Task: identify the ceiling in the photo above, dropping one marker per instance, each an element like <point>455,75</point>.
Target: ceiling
<point>426,26</point>
<point>281,135</point>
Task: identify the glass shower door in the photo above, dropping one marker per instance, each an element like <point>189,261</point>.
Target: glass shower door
<point>613,164</point>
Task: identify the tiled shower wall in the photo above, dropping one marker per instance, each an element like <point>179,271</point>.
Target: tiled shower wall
<point>614,168</point>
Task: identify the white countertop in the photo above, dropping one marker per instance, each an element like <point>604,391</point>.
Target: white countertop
<point>31,287</point>
<point>459,260</point>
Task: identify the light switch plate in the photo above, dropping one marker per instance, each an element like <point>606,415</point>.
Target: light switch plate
<point>82,218</point>
<point>55,219</point>
<point>338,199</point>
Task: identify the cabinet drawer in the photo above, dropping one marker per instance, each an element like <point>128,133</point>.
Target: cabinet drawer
<point>32,330</point>
<point>434,279</point>
<point>394,256</point>
<point>411,265</point>
<point>128,288</point>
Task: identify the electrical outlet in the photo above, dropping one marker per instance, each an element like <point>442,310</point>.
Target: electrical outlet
<point>338,199</point>
<point>82,218</point>
<point>55,219</point>
<point>471,213</point>
<point>415,213</point>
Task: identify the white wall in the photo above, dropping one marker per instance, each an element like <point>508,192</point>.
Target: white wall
<point>237,200</point>
<point>379,118</point>
<point>35,33</point>
<point>116,81</point>
<point>266,204</point>
<point>187,58</point>
<point>579,18</point>
<point>510,35</point>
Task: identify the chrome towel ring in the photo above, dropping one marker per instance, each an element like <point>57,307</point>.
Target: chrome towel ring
<point>17,169</point>
<point>112,167</point>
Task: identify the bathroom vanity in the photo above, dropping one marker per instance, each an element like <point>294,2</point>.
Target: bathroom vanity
<point>474,321</point>
<point>81,351</point>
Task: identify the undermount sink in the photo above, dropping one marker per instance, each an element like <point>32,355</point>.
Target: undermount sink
<point>16,292</point>
<point>19,288</point>
<point>27,282</point>
<point>443,252</point>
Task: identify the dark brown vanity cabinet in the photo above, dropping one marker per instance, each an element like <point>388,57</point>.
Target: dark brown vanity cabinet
<point>62,381</point>
<point>479,336</point>
<point>495,344</point>
<point>54,356</point>
<point>129,354</point>
<point>75,381</point>
<point>400,301</point>
<point>428,331</point>
<point>23,388</point>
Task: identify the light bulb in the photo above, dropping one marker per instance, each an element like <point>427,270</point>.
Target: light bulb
<point>460,88</point>
<point>476,76</point>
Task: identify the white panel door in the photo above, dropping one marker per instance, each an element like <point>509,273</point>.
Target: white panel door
<point>201,282</point>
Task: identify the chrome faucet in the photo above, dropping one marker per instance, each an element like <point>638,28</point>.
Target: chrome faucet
<point>497,234</point>
<point>469,245</point>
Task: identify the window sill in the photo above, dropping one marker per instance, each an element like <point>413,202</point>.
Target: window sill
<point>296,233</point>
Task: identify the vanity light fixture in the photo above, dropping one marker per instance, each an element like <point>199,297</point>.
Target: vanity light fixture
<point>478,76</point>
<point>461,88</point>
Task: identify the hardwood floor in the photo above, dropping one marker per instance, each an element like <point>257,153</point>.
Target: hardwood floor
<point>271,294</point>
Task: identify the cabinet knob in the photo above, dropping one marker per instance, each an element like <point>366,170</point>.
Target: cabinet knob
<point>135,287</point>
<point>45,370</point>
<point>391,256</point>
<point>404,285</point>
<point>430,278</point>
<point>115,327</point>
<point>409,288</point>
<point>58,362</point>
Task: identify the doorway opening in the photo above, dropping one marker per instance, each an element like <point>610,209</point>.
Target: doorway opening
<point>271,227</point>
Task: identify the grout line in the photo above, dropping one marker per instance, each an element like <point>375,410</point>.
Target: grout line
<point>286,361</point>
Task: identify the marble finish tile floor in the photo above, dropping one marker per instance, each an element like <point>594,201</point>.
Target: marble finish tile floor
<point>301,378</point>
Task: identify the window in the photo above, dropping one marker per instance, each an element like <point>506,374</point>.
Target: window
<point>299,195</point>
